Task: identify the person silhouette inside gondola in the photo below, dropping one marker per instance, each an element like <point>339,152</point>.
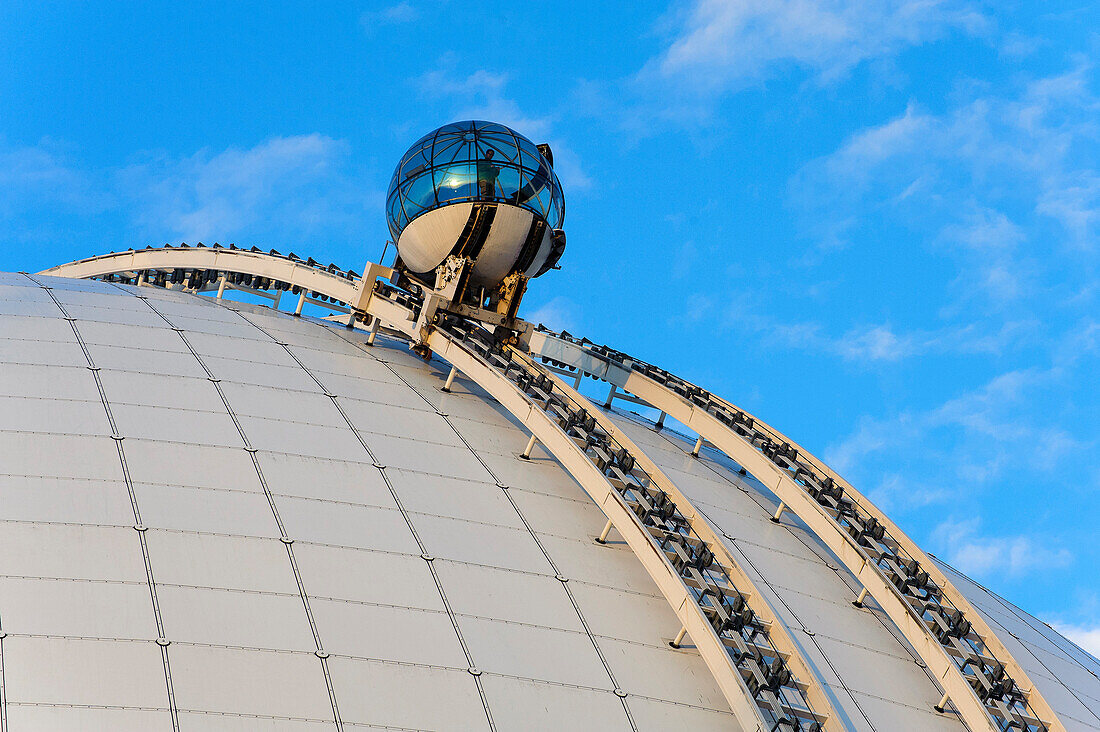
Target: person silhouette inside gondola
<point>487,177</point>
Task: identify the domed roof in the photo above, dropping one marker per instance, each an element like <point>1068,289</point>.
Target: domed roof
<point>228,518</point>
<point>473,161</point>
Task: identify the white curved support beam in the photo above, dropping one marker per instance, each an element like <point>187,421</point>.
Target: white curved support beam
<point>282,269</point>
<point>797,500</point>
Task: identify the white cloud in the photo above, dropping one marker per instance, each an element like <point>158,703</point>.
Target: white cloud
<point>42,175</point>
<point>1086,636</point>
<point>402,12</point>
<point>298,185</point>
<point>961,445</point>
<point>882,343</point>
<point>985,556</point>
<point>952,177</point>
<point>720,44</point>
<point>559,313</point>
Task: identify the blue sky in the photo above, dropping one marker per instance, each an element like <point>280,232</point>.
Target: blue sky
<point>872,223</point>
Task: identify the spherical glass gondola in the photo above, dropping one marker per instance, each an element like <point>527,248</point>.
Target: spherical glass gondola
<point>473,161</point>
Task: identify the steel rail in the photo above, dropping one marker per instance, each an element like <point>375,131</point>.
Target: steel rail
<point>977,672</point>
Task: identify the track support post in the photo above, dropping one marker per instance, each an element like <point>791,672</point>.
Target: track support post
<point>602,538</point>
<point>450,380</point>
<point>530,446</point>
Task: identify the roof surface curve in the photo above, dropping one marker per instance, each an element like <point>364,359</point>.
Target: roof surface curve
<point>223,517</point>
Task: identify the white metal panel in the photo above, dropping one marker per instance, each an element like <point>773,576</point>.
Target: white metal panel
<point>176,425</point>
<point>214,511</point>
<point>199,466</point>
<point>531,705</point>
<point>174,392</point>
<point>406,696</point>
<point>640,670</point>
<point>287,404</point>
<point>107,609</point>
<point>229,562</point>
<point>365,576</point>
<point>534,652</point>
<point>260,374</point>
<point>48,382</point>
<point>399,421</point>
<point>300,439</point>
<point>64,500</point>
<point>212,722</point>
<point>95,673</point>
<point>95,458</point>
<point>370,390</point>
<point>653,714</point>
<point>437,495</point>
<point>519,597</point>
<point>156,337</point>
<point>85,719</point>
<point>610,565</point>
<point>234,618</point>
<point>489,437</point>
<point>628,616</point>
<point>559,516</point>
<point>334,480</point>
<point>341,524</point>
<point>145,360</point>
<point>65,551</point>
<point>106,313</point>
<point>245,343</point>
<point>200,323</point>
<point>59,353</point>
<point>426,457</point>
<point>493,546</point>
<point>59,416</point>
<point>262,683</point>
<point>387,633</point>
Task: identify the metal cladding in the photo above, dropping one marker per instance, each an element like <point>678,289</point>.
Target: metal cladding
<point>220,516</point>
<point>479,190</point>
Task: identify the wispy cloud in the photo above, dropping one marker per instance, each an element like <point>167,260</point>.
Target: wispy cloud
<point>979,555</point>
<point>558,313</point>
<point>282,190</point>
<point>42,177</point>
<point>1086,636</point>
<point>297,184</point>
<point>718,45</point>
<point>952,177</point>
<point>961,445</point>
<point>402,12</point>
<point>872,344</point>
